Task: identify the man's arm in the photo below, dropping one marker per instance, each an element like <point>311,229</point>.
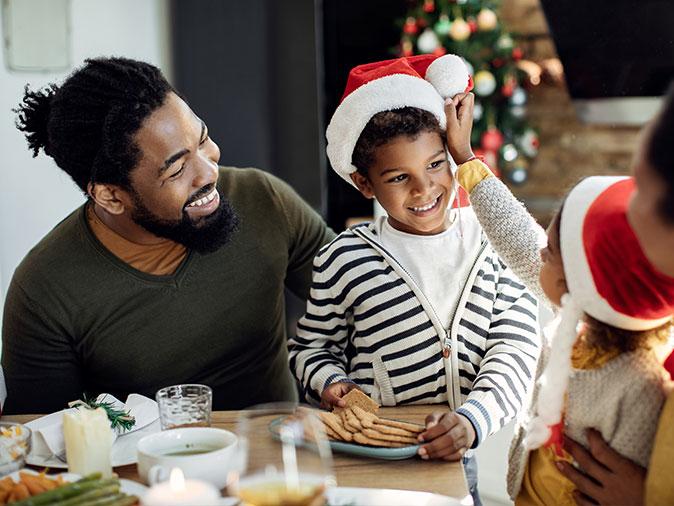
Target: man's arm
<point>307,233</point>
<point>41,370</point>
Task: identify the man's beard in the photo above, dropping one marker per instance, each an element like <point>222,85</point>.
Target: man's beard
<point>205,236</point>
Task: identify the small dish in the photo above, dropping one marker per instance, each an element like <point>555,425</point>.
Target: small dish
<point>14,446</point>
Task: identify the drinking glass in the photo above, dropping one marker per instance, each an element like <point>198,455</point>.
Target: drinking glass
<point>284,457</point>
<point>185,406</point>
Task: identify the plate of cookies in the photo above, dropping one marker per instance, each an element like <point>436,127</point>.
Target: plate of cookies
<point>357,430</point>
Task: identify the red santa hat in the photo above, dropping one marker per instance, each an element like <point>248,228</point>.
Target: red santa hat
<point>608,277</point>
<point>423,81</point>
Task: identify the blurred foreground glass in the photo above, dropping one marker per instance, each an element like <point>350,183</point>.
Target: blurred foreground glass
<point>284,456</point>
<point>185,406</point>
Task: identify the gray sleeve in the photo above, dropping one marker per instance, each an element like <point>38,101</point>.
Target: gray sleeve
<point>512,231</point>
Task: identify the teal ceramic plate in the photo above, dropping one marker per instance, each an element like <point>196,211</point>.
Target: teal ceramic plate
<point>405,452</point>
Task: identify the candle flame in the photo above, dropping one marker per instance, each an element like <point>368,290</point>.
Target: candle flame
<point>177,480</point>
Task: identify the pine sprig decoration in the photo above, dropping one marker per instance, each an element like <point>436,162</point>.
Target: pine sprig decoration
<point>119,419</point>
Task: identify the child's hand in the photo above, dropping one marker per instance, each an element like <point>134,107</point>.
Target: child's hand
<point>449,435</point>
<point>332,395</point>
<point>459,112</point>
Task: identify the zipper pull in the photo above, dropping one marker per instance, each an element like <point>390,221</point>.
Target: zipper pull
<point>445,351</point>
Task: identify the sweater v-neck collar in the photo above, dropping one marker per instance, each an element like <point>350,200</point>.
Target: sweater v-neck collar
<point>173,279</point>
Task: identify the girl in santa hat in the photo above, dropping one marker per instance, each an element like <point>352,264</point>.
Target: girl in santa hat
<point>605,373</point>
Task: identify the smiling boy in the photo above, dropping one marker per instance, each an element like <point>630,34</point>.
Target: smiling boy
<point>415,308</point>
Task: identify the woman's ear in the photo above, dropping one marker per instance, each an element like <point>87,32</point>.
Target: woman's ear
<point>110,197</point>
<point>363,184</point>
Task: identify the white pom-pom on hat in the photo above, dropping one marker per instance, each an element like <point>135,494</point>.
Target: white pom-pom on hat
<point>449,75</point>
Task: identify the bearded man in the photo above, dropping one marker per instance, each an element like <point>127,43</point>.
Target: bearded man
<point>173,271</point>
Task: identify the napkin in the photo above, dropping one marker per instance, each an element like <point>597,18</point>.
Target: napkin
<point>47,437</point>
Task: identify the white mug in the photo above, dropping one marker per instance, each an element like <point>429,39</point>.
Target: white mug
<point>203,453</point>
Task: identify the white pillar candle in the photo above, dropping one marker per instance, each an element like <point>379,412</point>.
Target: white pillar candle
<point>88,441</point>
<point>181,492</point>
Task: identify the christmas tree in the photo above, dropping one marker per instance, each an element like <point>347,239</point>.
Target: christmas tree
<point>471,29</point>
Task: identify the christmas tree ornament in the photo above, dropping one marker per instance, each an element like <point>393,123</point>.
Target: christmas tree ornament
<point>460,30</point>
<point>492,139</point>
<point>485,83</point>
<point>518,172</point>
<point>509,152</point>
<point>518,97</point>
<point>472,24</point>
<point>486,20</point>
<point>505,43</point>
<point>443,25</point>
<point>410,26</point>
<point>517,53</point>
<point>518,111</point>
<point>478,111</point>
<point>428,41</point>
<point>529,143</point>
<point>422,23</point>
<point>429,6</point>
<point>406,48</point>
<point>439,51</point>
<point>507,90</point>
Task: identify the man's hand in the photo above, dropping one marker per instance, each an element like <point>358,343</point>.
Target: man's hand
<point>332,395</point>
<point>459,112</point>
<point>449,436</point>
<point>608,479</point>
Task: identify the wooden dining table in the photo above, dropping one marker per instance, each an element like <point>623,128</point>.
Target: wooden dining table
<point>440,477</point>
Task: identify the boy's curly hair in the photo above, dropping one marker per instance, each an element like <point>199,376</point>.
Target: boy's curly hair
<point>385,126</point>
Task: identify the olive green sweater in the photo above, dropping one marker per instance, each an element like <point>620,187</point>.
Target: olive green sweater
<point>79,319</point>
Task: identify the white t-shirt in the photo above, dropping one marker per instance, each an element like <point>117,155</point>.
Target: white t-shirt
<point>439,264</point>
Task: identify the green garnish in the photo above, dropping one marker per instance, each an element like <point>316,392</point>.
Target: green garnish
<point>118,419</point>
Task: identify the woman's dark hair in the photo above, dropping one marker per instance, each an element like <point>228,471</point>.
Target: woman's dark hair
<point>660,153</point>
<point>87,124</point>
<point>386,125</point>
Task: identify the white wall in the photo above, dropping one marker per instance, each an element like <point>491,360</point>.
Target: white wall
<point>34,193</point>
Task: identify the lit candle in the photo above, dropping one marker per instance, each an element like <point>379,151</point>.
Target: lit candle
<point>181,492</point>
<point>88,441</point>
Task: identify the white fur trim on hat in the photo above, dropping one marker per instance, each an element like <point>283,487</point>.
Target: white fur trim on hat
<point>448,74</point>
<point>384,94</point>
<point>576,268</point>
<point>555,378</point>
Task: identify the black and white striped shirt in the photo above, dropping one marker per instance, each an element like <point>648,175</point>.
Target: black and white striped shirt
<point>367,321</point>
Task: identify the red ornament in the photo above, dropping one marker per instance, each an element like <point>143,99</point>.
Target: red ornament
<point>406,48</point>
<point>410,27</point>
<point>472,24</point>
<point>517,53</point>
<point>429,5</point>
<point>439,51</point>
<point>421,23</point>
<point>492,139</point>
<point>507,90</point>
<point>497,63</point>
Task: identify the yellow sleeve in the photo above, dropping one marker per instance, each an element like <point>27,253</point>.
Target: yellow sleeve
<point>659,483</point>
<point>470,173</point>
